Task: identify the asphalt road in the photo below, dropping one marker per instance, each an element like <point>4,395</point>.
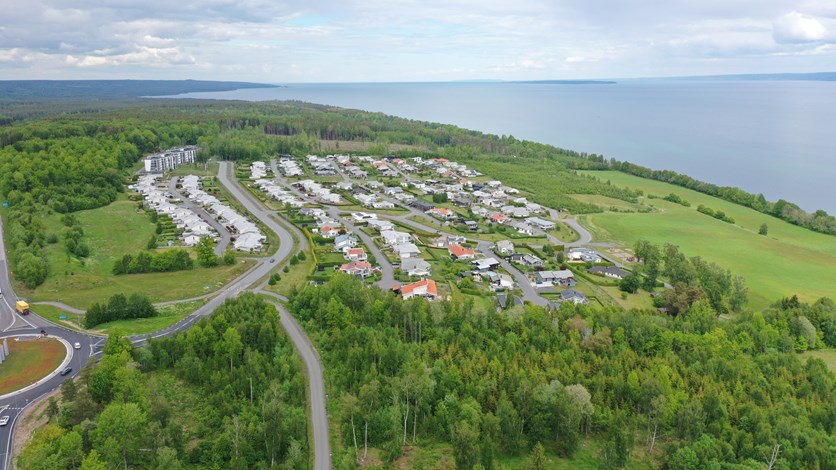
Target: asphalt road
<point>13,324</point>
<point>201,212</point>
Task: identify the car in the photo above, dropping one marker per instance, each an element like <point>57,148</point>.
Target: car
<point>4,420</point>
<point>77,345</point>
<point>66,370</point>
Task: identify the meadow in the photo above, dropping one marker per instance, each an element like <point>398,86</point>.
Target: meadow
<point>789,260</point>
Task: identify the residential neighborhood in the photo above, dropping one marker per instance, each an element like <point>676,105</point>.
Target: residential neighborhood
<point>419,227</point>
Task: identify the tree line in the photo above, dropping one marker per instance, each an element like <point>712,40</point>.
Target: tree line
<point>119,307</point>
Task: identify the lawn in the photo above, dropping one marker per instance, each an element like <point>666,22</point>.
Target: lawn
<point>54,315</point>
<point>828,355</point>
<point>169,315</point>
<point>83,289</point>
<point>790,260</point>
<point>29,361</point>
<point>295,278</point>
<point>609,203</point>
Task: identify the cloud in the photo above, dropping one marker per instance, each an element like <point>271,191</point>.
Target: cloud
<point>394,40</point>
<point>795,27</point>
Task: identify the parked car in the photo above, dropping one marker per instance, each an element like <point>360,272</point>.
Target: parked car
<point>4,420</point>
<point>66,370</point>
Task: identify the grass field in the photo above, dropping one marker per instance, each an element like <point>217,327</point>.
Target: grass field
<point>169,315</point>
<point>29,361</point>
<point>790,260</point>
<point>83,289</point>
<point>608,203</point>
<point>828,355</point>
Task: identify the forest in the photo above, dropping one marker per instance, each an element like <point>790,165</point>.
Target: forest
<point>691,390</point>
<point>229,393</point>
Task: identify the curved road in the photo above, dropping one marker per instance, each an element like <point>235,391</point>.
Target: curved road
<point>12,405</point>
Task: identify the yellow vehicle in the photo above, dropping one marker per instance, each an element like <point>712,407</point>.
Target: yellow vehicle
<point>22,307</point>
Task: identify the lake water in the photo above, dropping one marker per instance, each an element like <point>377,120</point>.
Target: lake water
<point>772,137</point>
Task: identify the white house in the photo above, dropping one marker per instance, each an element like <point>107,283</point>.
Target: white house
<point>392,237</point>
<point>416,267</point>
<point>542,224</point>
<point>504,247</point>
<point>406,250</point>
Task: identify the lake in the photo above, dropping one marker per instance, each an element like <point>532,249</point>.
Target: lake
<point>772,137</point>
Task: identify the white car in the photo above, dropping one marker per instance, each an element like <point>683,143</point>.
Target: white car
<point>77,345</point>
<point>4,420</point>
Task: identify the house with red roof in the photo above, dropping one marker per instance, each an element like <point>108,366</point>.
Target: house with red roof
<point>498,218</point>
<point>424,288</point>
<point>460,252</point>
<point>441,213</point>
<point>355,254</point>
<point>357,268</point>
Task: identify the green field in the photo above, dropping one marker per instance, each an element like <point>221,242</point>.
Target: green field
<point>608,203</point>
<point>169,315</point>
<point>29,361</point>
<point>790,260</point>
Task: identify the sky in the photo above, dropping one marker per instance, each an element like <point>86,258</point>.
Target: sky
<point>292,41</point>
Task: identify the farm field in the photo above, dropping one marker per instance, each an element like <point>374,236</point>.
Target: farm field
<point>29,361</point>
<point>789,260</point>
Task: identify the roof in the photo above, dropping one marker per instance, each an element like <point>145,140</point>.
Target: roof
<point>428,283</point>
<point>498,217</point>
<point>458,251</point>
<point>355,265</point>
<point>614,270</point>
<point>571,293</point>
<point>355,251</point>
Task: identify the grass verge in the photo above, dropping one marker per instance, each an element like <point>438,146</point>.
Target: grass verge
<point>29,361</point>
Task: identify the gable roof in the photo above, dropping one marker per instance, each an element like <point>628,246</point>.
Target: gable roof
<point>428,283</point>
<point>458,251</point>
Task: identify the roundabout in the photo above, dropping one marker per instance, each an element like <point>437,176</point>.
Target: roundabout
<point>32,358</point>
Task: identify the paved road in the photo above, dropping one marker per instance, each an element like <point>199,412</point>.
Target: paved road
<point>316,384</point>
<point>91,345</point>
<point>187,203</point>
<point>529,292</point>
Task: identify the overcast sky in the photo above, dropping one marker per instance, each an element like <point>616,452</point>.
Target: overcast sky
<point>411,40</point>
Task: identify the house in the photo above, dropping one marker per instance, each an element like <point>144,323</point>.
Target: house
<point>380,225</point>
<point>424,288</point>
<point>504,247</point>
<point>406,250</point>
<point>571,295</point>
<point>382,205</point>
<point>421,205</point>
<point>563,277</point>
<point>344,241</point>
<point>329,232</point>
<point>460,252</point>
<point>609,271</point>
<point>357,268</point>
<point>471,224</point>
<point>392,190</point>
<point>445,241</point>
<point>355,254</point>
<point>542,224</point>
<point>362,217</point>
<point>499,281</point>
<point>416,267</point>
<point>392,237</point>
<point>191,240</point>
<point>526,259</point>
<point>441,213</point>
<point>498,218</point>
<point>522,227</point>
<point>462,202</point>
<point>250,241</point>
<point>485,264</point>
<point>583,255</point>
<point>344,185</point>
